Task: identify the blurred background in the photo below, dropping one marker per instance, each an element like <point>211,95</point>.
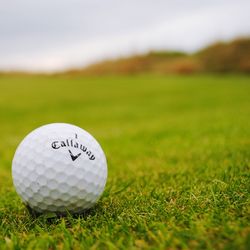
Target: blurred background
<point>160,36</point>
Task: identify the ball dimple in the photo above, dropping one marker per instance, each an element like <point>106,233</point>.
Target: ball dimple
<point>64,187</point>
<point>51,208</point>
<point>41,180</point>
<point>44,189</point>
<point>59,177</point>
<point>54,194</point>
<point>50,172</point>
<point>42,205</point>
<point>29,192</point>
<point>72,180</point>
<point>48,200</point>
<point>82,194</point>
<point>89,197</point>
<point>38,197</point>
<point>52,184</point>
<point>40,169</point>
<point>31,175</point>
<point>35,186</point>
<point>58,202</point>
<point>65,196</point>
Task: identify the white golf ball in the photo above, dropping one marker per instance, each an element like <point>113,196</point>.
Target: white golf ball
<point>59,168</point>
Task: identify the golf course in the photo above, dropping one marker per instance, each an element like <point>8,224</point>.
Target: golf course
<point>178,153</point>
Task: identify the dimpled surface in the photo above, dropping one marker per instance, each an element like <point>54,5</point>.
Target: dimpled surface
<point>58,168</point>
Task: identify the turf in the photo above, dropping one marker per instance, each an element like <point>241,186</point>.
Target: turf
<point>178,150</point>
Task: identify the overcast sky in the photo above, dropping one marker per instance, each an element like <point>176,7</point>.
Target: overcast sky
<point>53,35</point>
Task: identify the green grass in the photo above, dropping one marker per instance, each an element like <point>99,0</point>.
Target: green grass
<point>178,151</point>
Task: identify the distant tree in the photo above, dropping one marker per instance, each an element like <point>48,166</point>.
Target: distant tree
<point>227,57</point>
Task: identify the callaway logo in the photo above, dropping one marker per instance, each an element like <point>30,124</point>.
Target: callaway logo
<point>73,143</point>
<point>74,157</point>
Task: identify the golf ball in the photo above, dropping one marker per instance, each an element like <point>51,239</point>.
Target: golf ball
<point>59,168</point>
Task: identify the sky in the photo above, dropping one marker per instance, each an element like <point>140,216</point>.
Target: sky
<point>54,35</point>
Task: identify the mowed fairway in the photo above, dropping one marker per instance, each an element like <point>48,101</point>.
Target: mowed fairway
<point>178,150</point>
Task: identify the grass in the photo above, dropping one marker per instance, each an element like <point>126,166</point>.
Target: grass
<point>178,151</point>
